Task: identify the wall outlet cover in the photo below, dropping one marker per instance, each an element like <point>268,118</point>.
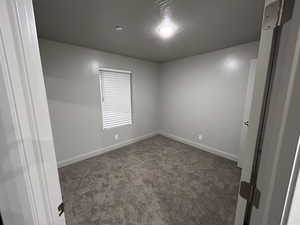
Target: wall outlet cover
<point>200,137</point>
<point>116,136</point>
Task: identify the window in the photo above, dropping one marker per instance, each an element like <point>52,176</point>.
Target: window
<point>115,88</point>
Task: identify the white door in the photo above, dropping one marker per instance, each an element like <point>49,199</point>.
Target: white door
<point>14,200</point>
<point>246,115</point>
<point>282,130</point>
<point>275,120</point>
<point>261,74</point>
<point>29,185</point>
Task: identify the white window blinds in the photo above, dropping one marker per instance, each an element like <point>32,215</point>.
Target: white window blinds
<point>115,98</point>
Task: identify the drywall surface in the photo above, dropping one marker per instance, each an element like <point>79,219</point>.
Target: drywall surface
<point>204,95</point>
<point>71,78</point>
<point>200,95</point>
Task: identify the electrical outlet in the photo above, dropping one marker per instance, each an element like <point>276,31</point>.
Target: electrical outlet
<point>116,136</point>
<point>200,137</point>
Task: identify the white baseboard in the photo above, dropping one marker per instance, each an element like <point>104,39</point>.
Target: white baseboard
<point>91,154</point>
<point>206,148</point>
<point>100,151</point>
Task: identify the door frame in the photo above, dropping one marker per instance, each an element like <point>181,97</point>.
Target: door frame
<point>278,194</point>
<point>247,110</point>
<point>276,13</point>
<point>260,86</point>
<point>29,102</point>
<point>294,179</point>
<point>33,116</point>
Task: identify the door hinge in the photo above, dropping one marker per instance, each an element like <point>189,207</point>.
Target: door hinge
<point>271,15</point>
<point>277,13</point>
<point>250,193</point>
<point>61,209</point>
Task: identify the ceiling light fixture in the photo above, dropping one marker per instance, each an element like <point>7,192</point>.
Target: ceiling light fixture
<point>119,28</point>
<point>166,29</point>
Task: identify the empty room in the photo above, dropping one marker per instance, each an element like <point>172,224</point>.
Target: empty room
<point>128,76</point>
<point>149,112</point>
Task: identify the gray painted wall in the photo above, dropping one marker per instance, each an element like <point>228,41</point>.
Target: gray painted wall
<point>202,94</point>
<point>74,102</point>
<point>205,95</point>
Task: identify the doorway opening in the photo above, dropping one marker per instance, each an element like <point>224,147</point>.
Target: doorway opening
<point>145,131</point>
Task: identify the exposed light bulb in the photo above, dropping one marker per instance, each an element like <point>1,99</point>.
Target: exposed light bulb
<point>166,29</point>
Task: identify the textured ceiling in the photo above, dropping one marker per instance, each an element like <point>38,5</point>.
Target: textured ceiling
<point>204,25</point>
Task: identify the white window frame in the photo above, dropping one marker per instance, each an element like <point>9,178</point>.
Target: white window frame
<point>105,69</point>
